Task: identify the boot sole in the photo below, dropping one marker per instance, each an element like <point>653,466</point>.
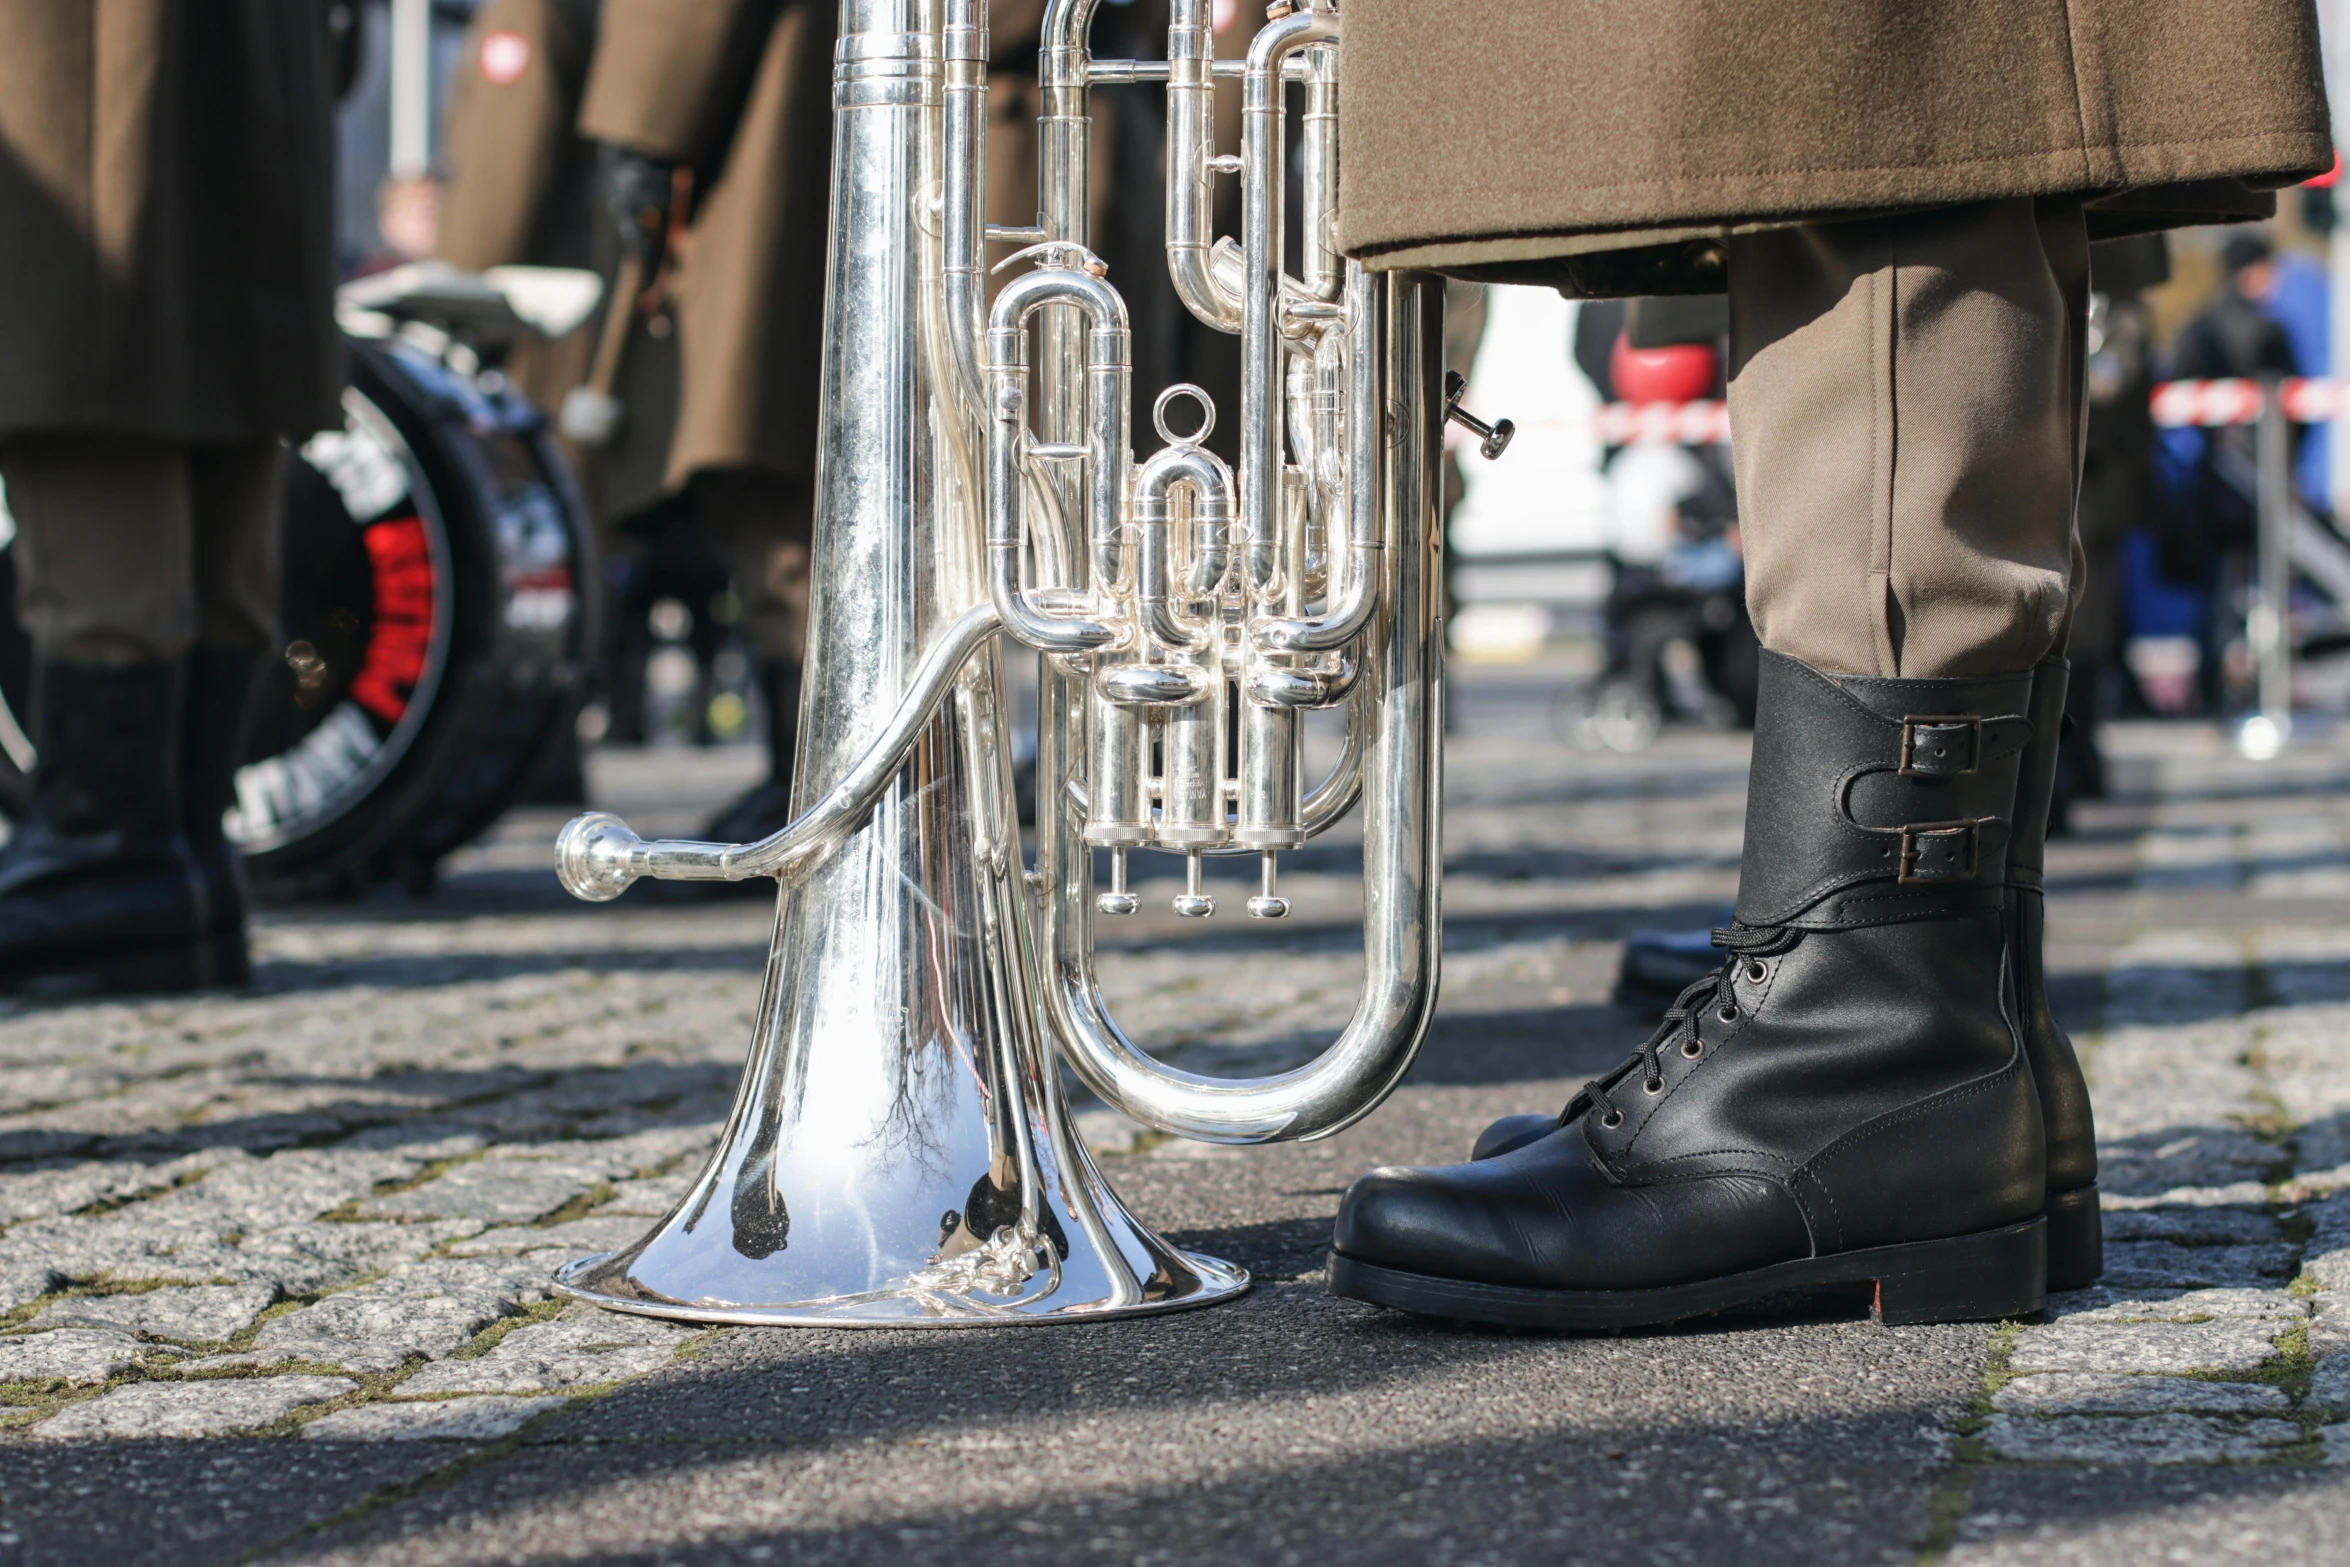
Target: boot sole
<point>2076,1239</point>
<point>1990,1276</point>
<point>173,969</point>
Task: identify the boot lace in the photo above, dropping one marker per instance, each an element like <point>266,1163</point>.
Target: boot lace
<point>1678,1028</point>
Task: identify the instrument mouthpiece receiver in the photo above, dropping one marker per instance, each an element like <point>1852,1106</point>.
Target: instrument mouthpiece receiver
<point>596,857</point>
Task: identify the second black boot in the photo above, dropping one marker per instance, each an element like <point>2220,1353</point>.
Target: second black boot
<point>99,893</point>
<point>2076,1230</point>
<point>214,717</point>
<point>1845,1101</point>
<point>766,807</point>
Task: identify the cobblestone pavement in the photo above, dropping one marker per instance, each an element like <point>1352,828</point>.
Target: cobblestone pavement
<point>273,1266</point>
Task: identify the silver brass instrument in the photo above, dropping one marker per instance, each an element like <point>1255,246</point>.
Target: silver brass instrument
<point>900,1153</point>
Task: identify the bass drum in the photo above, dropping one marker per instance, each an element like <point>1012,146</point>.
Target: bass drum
<point>436,621</point>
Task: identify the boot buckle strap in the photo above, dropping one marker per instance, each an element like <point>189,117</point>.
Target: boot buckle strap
<point>1941,746</point>
<point>1940,851</point>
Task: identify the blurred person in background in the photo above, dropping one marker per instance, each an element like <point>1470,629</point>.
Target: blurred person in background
<point>2117,494</point>
<point>1898,201</point>
<point>2210,538</point>
<point>166,273</point>
<point>714,125</point>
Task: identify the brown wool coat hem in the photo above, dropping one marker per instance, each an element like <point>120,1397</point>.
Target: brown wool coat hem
<point>1524,134</point>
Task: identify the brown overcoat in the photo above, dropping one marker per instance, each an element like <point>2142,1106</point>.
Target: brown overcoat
<point>167,260</point>
<point>520,181</point>
<point>741,90</point>
<point>1608,147</point>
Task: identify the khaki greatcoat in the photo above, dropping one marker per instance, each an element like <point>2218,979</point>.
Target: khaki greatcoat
<point>740,90</point>
<point>1609,147</point>
<point>167,259</point>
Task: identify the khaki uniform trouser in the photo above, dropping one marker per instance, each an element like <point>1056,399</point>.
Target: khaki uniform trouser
<point>1906,408</point>
<point>133,549</point>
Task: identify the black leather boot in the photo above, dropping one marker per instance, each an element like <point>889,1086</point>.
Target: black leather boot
<point>214,716</point>
<point>99,893</point>
<point>766,807</point>
<point>2076,1230</point>
<point>1845,1101</point>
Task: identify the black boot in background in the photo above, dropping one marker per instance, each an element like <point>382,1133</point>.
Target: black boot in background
<point>215,715</point>
<point>1845,1101</point>
<point>766,808</point>
<point>99,893</point>
<point>2076,1231</point>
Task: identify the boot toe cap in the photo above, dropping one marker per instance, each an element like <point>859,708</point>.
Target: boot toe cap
<point>1511,1133</point>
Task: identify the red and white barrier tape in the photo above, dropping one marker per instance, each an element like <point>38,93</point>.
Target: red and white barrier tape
<point>1662,424</point>
<point>2307,400</point>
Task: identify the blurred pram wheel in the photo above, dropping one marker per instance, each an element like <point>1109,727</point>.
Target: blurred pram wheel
<point>435,638</point>
<point>1611,713</point>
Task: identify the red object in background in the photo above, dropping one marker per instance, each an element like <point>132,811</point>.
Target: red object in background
<point>1683,373</point>
<point>401,639</point>
<point>2326,180</point>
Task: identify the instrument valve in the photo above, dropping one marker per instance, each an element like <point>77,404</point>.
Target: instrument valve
<point>1117,900</point>
<point>1194,902</point>
<point>1265,905</point>
<point>1493,439</point>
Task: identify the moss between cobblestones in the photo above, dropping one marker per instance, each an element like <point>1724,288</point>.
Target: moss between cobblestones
<point>579,1207</point>
<point>115,1204</point>
<point>348,1212</point>
<point>490,1337</point>
<point>1947,1503</point>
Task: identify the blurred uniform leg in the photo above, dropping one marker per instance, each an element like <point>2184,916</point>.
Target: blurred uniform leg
<point>760,525</point>
<point>739,92</point>
<point>148,582</point>
<point>165,319</point>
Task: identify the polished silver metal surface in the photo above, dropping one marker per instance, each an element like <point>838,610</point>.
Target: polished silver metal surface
<point>900,1153</point>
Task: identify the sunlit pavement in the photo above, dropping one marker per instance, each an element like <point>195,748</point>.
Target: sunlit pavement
<point>274,1265</point>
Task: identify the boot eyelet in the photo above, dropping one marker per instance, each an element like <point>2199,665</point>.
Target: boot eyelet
<point>1693,1049</point>
<point>1612,1120</point>
<point>1756,973</point>
<point>1729,1012</point>
<point>1653,1087</point>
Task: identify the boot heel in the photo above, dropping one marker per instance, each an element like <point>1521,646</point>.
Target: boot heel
<point>228,961</point>
<point>2076,1239</point>
<point>1987,1277</point>
<point>174,969</point>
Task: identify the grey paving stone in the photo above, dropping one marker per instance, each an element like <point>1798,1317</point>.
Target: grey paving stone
<point>2192,1226</point>
<point>2173,1158</point>
<point>2330,1269</point>
<point>41,1194</point>
<point>2097,1393</point>
<point>653,1197</point>
<point>599,1232</point>
<point>429,1420</point>
<point>2153,1439</point>
<point>423,1311</point>
<point>2235,1305</point>
<point>2075,1345</point>
<point>2329,1323</point>
<point>23,1280</point>
<point>71,1355</point>
<point>501,1190</point>
<point>2160,1264</point>
<point>585,1345</point>
<point>203,1314</point>
<point>182,1409</point>
<point>2329,1388</point>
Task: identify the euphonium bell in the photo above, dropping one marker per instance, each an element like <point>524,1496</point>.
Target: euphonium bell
<point>900,1153</point>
